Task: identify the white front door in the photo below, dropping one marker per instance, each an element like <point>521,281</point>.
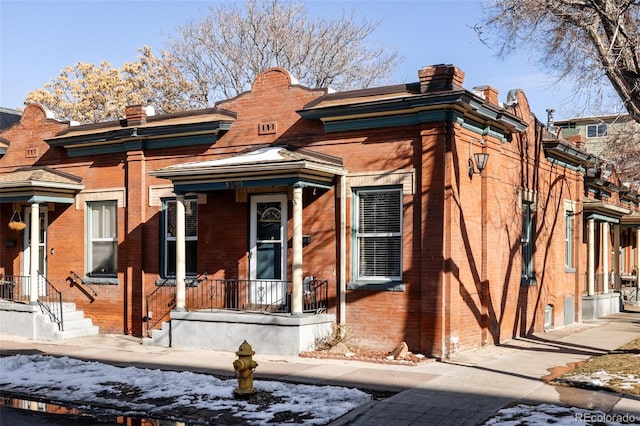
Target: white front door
<point>42,251</point>
<point>268,249</point>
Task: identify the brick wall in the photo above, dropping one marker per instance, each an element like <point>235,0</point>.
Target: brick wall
<point>462,287</point>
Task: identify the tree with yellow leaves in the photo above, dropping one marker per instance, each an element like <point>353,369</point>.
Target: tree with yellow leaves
<point>89,93</point>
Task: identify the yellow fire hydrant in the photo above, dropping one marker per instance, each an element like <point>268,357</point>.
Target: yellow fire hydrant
<point>244,367</point>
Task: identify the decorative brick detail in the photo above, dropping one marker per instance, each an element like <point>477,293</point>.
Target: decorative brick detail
<point>267,128</point>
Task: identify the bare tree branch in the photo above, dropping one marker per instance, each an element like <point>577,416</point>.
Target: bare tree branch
<point>591,41</point>
<point>223,52</point>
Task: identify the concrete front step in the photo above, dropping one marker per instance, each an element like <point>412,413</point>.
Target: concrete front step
<point>78,332</point>
<point>74,324</point>
<point>159,337</point>
<point>77,324</point>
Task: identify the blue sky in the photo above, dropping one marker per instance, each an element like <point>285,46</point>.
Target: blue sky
<point>40,38</point>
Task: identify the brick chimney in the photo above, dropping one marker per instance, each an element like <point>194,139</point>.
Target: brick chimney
<point>577,140</point>
<point>488,93</point>
<point>440,77</point>
<point>136,115</point>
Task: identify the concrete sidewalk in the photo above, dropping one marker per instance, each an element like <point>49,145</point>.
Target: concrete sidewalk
<point>465,391</point>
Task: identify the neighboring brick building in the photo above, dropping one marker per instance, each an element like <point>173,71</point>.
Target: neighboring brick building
<point>375,191</point>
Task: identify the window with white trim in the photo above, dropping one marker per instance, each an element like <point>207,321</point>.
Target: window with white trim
<point>596,130</point>
<point>102,227</point>
<point>378,234</point>
<point>169,236</point>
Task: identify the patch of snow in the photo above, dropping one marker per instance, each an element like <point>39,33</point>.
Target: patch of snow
<point>150,391</point>
<point>542,414</point>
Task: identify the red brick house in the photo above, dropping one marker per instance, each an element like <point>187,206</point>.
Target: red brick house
<point>374,210</point>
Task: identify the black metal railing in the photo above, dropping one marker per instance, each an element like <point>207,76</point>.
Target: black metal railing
<point>75,281</point>
<point>14,287</point>
<point>267,296</point>
<point>240,295</point>
<point>50,301</point>
<point>315,295</point>
<point>203,293</point>
<point>161,301</point>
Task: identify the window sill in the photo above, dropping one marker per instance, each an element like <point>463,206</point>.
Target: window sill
<point>528,281</point>
<point>376,285</point>
<point>101,280</point>
<point>171,282</point>
<point>570,270</point>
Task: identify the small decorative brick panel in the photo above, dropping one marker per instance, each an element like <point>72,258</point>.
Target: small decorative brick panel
<point>267,128</point>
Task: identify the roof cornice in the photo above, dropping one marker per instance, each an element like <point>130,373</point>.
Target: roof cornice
<point>411,109</point>
<point>565,153</point>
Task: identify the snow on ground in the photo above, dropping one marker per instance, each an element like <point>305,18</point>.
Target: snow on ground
<point>603,378</point>
<point>133,391</point>
<point>148,392</point>
<point>544,414</point>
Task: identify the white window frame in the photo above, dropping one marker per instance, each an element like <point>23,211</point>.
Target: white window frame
<point>601,130</point>
<point>359,235</point>
<point>106,235</point>
<point>191,235</point>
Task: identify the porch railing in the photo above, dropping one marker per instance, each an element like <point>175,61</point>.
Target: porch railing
<point>18,288</point>
<point>162,300</point>
<point>50,301</point>
<point>14,287</point>
<point>266,296</point>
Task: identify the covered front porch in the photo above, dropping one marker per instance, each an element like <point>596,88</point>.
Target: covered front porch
<point>274,303</point>
<point>607,268</point>
<point>31,305</point>
<point>218,311</point>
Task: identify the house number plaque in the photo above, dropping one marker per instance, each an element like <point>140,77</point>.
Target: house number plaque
<point>233,184</point>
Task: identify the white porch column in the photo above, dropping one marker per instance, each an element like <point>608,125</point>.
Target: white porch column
<point>605,252</point>
<point>616,258</point>
<point>296,293</point>
<point>181,263</point>
<point>591,257</point>
<point>34,257</point>
<point>342,296</point>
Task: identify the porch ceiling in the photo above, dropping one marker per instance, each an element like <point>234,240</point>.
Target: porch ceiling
<point>264,166</point>
<point>39,185</point>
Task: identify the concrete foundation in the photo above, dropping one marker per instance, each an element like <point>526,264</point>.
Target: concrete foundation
<point>601,305</point>
<point>26,320</point>
<point>225,331</point>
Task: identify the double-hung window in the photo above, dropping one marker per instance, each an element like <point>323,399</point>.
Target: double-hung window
<point>169,236</point>
<point>528,243</point>
<point>102,218</point>
<point>378,234</point>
